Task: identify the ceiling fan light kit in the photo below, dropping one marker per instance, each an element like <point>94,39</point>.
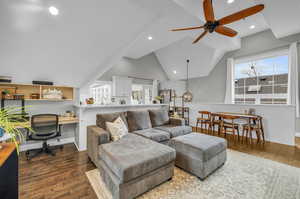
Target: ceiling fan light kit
<point>213,25</point>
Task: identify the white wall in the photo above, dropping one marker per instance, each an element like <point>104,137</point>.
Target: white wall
<point>146,67</point>
<point>211,89</point>
<point>177,85</point>
<point>279,121</point>
<point>72,47</point>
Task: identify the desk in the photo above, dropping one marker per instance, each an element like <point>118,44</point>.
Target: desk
<point>61,121</point>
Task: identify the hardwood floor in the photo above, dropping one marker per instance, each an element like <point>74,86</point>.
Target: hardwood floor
<point>59,177</point>
<point>63,176</point>
<point>277,152</point>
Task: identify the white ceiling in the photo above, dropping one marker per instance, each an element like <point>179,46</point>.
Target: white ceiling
<point>170,47</point>
<point>88,36</point>
<point>182,50</point>
<point>71,47</point>
<point>282,16</point>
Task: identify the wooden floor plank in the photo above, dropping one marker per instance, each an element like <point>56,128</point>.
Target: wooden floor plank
<point>63,176</point>
<point>59,177</point>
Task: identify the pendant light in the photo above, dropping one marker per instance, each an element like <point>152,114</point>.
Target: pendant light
<point>187,96</point>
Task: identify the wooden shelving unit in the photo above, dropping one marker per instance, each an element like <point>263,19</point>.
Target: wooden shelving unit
<point>182,111</point>
<point>169,97</point>
<point>28,89</point>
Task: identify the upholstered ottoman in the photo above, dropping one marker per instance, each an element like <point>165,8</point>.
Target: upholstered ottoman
<point>134,165</point>
<point>199,154</point>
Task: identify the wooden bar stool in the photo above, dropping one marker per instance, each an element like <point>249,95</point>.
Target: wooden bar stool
<point>255,124</point>
<point>204,120</point>
<point>228,123</point>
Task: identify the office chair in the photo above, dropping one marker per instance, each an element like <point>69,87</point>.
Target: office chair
<point>44,127</point>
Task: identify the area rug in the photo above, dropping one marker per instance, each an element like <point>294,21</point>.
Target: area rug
<point>242,177</point>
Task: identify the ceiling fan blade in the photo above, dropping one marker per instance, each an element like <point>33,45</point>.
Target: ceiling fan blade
<point>208,10</point>
<point>241,15</point>
<point>191,28</point>
<point>226,31</point>
<point>202,35</point>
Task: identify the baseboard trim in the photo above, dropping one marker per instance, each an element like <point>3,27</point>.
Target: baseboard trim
<point>254,137</point>
<point>37,145</point>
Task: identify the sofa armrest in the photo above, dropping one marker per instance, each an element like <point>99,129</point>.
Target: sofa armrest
<point>177,121</point>
<point>95,137</point>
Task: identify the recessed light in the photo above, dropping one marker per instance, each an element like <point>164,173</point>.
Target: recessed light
<point>230,1</point>
<point>150,37</point>
<point>174,71</point>
<point>53,10</point>
<point>252,27</point>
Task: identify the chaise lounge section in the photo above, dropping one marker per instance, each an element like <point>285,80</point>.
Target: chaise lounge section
<point>134,165</point>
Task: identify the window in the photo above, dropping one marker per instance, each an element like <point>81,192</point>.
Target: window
<point>262,80</point>
<point>101,93</point>
<point>141,94</point>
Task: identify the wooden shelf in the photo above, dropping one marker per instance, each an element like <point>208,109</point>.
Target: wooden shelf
<point>28,89</point>
<point>50,100</point>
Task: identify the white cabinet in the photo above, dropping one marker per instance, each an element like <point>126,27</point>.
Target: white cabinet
<point>122,86</point>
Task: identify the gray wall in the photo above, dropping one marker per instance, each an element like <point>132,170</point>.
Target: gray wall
<point>211,89</point>
<point>146,67</point>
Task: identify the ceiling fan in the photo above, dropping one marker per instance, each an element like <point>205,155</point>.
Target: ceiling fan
<point>213,25</point>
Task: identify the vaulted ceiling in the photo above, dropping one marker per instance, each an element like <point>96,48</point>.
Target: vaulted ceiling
<point>88,37</point>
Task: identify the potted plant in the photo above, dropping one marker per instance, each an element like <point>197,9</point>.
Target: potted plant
<point>11,123</point>
<point>5,94</point>
<point>158,100</point>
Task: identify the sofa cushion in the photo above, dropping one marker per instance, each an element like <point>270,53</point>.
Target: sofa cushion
<point>133,156</point>
<point>159,117</point>
<point>109,117</point>
<point>175,130</point>
<point>154,134</point>
<point>138,120</point>
<point>199,146</point>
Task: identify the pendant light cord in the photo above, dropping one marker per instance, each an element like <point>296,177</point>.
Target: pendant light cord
<point>187,74</point>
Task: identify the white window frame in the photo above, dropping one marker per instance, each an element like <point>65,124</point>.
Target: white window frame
<point>96,92</point>
<point>252,58</point>
<point>143,90</point>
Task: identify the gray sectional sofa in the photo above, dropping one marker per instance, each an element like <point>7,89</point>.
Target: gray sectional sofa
<point>146,156</point>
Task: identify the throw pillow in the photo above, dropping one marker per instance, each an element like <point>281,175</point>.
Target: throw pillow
<point>159,117</point>
<point>117,129</point>
<point>138,120</point>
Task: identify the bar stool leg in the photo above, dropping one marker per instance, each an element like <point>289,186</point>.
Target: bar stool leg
<point>263,133</point>
<point>257,136</point>
<point>251,141</point>
<point>201,126</point>
<point>243,135</point>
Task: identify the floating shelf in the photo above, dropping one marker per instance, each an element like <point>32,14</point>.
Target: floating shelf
<point>28,89</point>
